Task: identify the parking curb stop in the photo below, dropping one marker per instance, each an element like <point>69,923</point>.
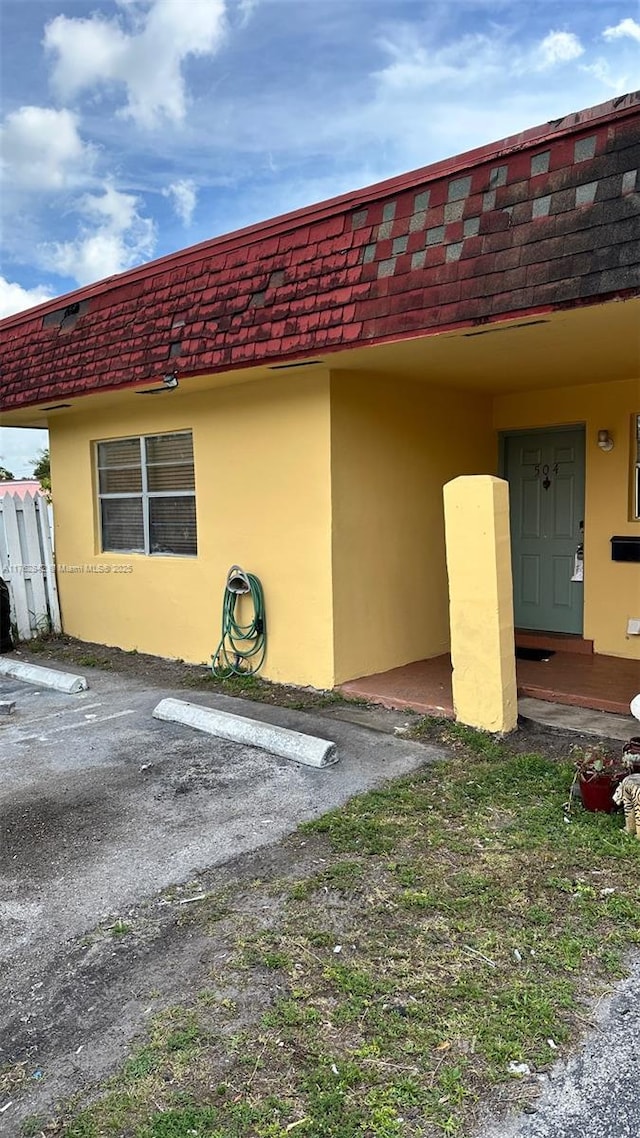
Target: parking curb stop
<point>287,744</point>
<point>67,682</point>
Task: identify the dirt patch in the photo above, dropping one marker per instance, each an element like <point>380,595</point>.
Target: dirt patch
<point>159,672</point>
<point>529,738</point>
<point>65,1032</point>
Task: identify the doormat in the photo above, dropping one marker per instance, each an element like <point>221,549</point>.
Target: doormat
<point>539,655</point>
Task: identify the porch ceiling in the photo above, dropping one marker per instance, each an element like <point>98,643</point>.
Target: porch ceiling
<point>585,345</point>
<point>593,344</point>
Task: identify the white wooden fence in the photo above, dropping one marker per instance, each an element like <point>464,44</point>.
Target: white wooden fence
<point>26,564</point>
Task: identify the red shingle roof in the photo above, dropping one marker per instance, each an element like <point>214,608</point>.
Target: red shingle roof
<point>541,220</point>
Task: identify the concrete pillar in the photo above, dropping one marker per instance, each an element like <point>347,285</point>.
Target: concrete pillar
<point>476,512</point>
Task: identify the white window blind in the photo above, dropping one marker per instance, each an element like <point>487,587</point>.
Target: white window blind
<point>146,490</point>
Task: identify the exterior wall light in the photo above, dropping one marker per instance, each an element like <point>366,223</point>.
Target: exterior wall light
<point>605,440</point>
<point>169,383</point>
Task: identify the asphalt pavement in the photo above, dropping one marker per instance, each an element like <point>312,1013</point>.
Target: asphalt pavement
<point>594,1093</point>
<point>102,806</point>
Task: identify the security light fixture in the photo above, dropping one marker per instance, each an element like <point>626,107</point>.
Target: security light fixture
<point>169,383</point>
<point>605,440</point>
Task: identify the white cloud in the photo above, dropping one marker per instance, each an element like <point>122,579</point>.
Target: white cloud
<point>42,149</point>
<point>183,195</point>
<point>246,9</point>
<point>433,97</point>
<point>472,60</point>
<point>114,237</point>
<point>144,49</point>
<point>559,47</point>
<point>19,448</point>
<point>601,70</point>
<point>14,298</point>
<point>415,67</point>
<point>626,29</point>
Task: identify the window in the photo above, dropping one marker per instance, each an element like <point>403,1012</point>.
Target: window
<point>146,493</point>
<point>636,470</point>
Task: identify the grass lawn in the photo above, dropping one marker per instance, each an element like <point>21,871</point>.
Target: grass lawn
<point>455,923</point>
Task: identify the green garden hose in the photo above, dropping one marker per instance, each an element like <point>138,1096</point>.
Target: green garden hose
<point>242,647</point>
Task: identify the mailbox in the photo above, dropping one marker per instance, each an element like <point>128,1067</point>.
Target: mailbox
<point>625,549</point>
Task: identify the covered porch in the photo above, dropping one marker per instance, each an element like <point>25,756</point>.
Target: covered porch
<point>602,683</point>
<point>455,406</point>
<point>549,401</point>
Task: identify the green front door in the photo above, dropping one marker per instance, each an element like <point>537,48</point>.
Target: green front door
<point>545,471</point>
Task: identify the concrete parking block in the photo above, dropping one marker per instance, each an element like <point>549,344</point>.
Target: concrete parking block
<point>67,682</point>
<point>281,741</point>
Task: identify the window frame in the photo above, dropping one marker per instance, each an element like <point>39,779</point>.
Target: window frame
<point>636,467</point>
<point>144,495</point>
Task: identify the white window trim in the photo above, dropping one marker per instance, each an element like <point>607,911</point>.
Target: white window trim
<point>144,494</point>
<point>635,469</point>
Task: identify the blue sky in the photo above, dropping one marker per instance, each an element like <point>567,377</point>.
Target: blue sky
<point>132,128</point>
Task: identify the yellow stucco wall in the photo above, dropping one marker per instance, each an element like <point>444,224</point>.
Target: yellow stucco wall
<point>394,444</point>
<point>262,461</point>
<point>481,602</point>
<point>611,589</point>
<point>329,488</point>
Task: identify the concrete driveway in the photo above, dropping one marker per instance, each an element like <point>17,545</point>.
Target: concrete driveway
<point>102,808</point>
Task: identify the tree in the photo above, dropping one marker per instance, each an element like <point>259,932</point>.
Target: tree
<point>6,475</point>
<point>42,469</point>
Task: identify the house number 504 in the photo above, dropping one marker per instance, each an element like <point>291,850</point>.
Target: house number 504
<point>546,470</point>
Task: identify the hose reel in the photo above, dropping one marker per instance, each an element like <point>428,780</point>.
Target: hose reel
<point>242,647</point>
<point>238,581</point>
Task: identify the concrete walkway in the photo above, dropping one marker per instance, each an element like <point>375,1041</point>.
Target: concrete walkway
<point>581,720</point>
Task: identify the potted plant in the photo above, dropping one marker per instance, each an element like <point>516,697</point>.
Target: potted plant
<point>599,770</point>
